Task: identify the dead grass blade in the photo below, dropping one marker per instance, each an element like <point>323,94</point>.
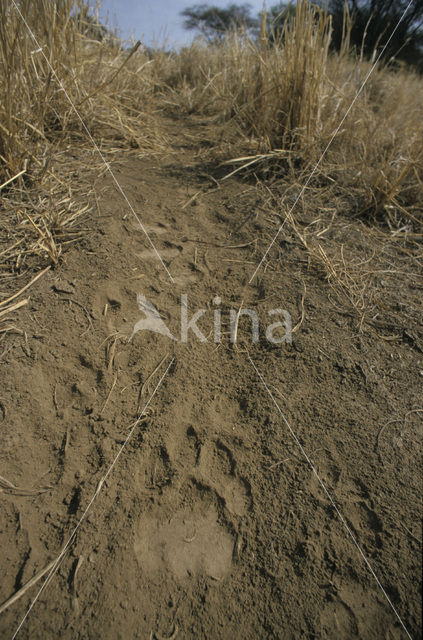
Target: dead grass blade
<point>18,293</point>
<point>10,488</point>
<point>16,596</point>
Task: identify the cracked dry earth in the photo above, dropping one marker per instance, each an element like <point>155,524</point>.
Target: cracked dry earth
<point>211,523</point>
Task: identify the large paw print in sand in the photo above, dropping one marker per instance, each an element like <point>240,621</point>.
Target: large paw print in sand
<point>191,531</point>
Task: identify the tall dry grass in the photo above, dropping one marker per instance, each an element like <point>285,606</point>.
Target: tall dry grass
<point>280,103</point>
<point>54,57</point>
<point>37,76</point>
<point>273,107</point>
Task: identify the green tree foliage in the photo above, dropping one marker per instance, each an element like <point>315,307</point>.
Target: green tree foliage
<point>373,22</point>
<point>213,22</point>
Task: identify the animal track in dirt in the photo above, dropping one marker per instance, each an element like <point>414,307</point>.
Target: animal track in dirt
<point>348,613</point>
<point>337,620</point>
<point>151,229</point>
<point>150,254</point>
<point>189,277</point>
<point>366,521</point>
<point>216,467</point>
<point>155,472</point>
<point>191,542</point>
<point>212,463</point>
<point>352,497</point>
<point>201,491</point>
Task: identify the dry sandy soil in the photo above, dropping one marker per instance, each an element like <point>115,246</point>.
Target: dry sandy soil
<point>212,523</point>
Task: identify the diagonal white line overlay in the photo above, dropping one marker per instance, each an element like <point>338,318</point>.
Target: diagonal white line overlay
<point>97,491</point>
<point>288,215</point>
<point>339,514</point>
<point>95,145</point>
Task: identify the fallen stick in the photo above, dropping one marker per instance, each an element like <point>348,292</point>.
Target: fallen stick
<point>144,385</point>
<point>16,596</point>
<point>13,307</point>
<point>9,487</point>
<point>18,293</point>
<point>12,179</point>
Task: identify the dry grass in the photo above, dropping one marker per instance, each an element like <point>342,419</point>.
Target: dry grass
<point>374,274</point>
<point>273,108</point>
<point>280,104</point>
<point>277,106</point>
<point>45,150</point>
<point>109,87</point>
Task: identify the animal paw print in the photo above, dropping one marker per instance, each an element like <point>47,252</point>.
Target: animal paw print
<point>217,468</point>
<point>184,532</point>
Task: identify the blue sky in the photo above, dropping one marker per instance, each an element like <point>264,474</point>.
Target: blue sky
<point>157,21</point>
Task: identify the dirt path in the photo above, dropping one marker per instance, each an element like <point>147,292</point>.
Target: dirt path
<point>212,523</point>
